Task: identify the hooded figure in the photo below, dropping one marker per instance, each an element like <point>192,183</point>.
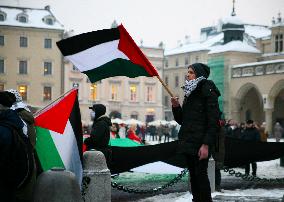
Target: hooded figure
<point>100,133</point>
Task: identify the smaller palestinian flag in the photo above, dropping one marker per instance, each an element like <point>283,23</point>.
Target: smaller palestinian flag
<point>106,53</point>
<point>59,135</point>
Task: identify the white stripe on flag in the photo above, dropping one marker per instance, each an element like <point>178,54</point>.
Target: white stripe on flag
<point>67,148</point>
<point>97,56</point>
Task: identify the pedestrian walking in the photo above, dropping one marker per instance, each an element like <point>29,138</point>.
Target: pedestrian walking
<point>278,131</point>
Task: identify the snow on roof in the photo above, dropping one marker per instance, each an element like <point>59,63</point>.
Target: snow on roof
<point>236,46</point>
<point>35,18</point>
<point>257,31</point>
<point>232,20</point>
<point>259,63</point>
<point>196,46</point>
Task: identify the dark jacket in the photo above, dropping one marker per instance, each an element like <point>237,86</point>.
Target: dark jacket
<point>251,134</point>
<point>8,173</point>
<point>198,117</point>
<point>100,134</point>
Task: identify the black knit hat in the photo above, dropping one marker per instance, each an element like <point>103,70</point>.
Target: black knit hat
<point>99,109</point>
<point>200,69</point>
<point>7,99</point>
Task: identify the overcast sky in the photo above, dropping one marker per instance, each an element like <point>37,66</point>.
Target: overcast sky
<point>154,20</point>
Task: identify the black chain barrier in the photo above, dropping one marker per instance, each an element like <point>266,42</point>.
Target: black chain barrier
<point>252,178</point>
<point>152,190</point>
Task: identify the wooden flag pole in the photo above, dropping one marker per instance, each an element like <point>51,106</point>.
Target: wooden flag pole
<point>165,86</point>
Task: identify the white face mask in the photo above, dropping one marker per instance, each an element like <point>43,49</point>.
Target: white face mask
<point>93,115</point>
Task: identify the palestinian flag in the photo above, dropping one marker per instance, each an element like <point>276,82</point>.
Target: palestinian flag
<point>106,53</point>
<point>59,135</point>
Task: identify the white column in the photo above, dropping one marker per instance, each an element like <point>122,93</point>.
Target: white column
<point>268,109</point>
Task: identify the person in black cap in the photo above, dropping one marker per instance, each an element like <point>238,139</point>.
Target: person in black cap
<point>12,165</point>
<point>251,134</point>
<point>100,132</point>
<point>198,117</point>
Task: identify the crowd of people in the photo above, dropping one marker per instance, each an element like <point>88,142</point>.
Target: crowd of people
<point>199,119</point>
<point>141,133</point>
<point>252,130</point>
<point>199,122</point>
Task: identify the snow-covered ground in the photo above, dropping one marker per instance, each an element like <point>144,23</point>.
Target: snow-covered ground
<point>268,169</point>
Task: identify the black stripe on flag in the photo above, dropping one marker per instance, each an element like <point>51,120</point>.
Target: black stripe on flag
<point>75,121</point>
<point>87,40</point>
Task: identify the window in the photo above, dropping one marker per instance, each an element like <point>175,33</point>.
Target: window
<point>23,67</point>
<point>47,43</point>
<point>167,80</point>
<point>93,92</point>
<point>75,85</point>
<point>23,90</point>
<point>196,58</point>
<point>23,41</point>
<point>279,43</point>
<point>1,86</point>
<point>134,115</point>
<point>177,62</point>
<point>47,68</point>
<point>276,43</point>
<point>133,93</point>
<point>49,21</point>
<point>186,61</point>
<point>46,93</point>
<point>2,66</point>
<point>166,101</point>
<point>75,69</point>
<point>166,63</point>
<point>23,19</point>
<point>2,17</point>
<point>114,89</point>
<point>2,40</point>
<point>176,81</point>
<point>149,94</point>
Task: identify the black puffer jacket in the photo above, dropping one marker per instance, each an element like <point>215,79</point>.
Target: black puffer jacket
<point>198,117</point>
<point>100,134</point>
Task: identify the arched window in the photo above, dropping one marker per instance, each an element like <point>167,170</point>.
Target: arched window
<point>23,18</point>
<point>49,20</point>
<point>2,16</point>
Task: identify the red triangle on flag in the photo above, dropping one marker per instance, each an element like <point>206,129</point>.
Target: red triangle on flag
<point>56,117</point>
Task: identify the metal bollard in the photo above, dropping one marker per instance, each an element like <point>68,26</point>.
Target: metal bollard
<point>57,185</point>
<point>211,174</point>
<point>95,168</point>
